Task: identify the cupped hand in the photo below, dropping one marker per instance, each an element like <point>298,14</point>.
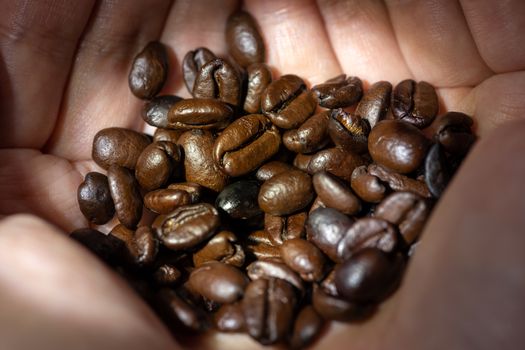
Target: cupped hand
<point>63,77</point>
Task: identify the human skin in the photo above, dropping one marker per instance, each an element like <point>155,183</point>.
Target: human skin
<point>63,77</point>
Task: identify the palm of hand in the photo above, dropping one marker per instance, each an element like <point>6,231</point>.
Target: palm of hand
<point>65,77</point>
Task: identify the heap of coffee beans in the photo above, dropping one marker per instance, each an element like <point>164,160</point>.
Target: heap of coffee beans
<point>278,207</point>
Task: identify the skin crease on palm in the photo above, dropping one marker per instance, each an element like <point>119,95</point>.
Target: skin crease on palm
<point>63,77</point>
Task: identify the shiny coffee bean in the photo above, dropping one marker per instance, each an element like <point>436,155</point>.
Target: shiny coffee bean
<point>246,144</point>
<point>438,171</point>
<point>283,228</point>
<point>270,269</point>
<point>126,195</point>
<point>335,308</point>
<point>239,200</point>
<point>368,276</point>
<point>286,193</point>
<point>335,161</point>
<point>301,161</point>
<point>375,102</point>
<point>304,258</point>
<point>454,132</point>
<point>398,182</point>
<point>94,198</point>
<point>218,282</point>
<point>164,201</point>
<point>397,145</point>
<point>269,309</point>
<point>195,190</point>
<point>149,71</point>
<point>366,186</point>
<point>348,131</point>
<point>108,248</point>
<point>155,111</point>
<point>245,43</point>
<point>270,169</point>
<point>368,233</point>
<point>328,284</point>
<point>406,210</point>
<point>325,228</point>
<point>144,247</point>
<point>230,318</point>
<point>287,102</point>
<point>177,310</point>
<point>334,193</point>
<point>223,247</point>
<point>187,226</point>
<point>259,245</point>
<point>167,135</point>
<point>259,77</point>
<point>156,163</point>
<point>118,146</point>
<point>192,64</point>
<point>310,136</point>
<point>218,79</point>
<point>123,233</point>
<point>415,103</point>
<point>199,166</point>
<point>307,327</point>
<point>166,275</point>
<point>199,113</point>
<point>339,92</point>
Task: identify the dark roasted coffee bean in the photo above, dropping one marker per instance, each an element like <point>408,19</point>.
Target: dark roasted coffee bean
<point>199,166</point>
<point>438,172</point>
<point>126,195</point>
<point>94,198</point>
<point>304,258</point>
<point>301,161</point>
<point>399,182</point>
<point>166,275</point>
<point>335,194</point>
<point>454,133</point>
<point>348,131</point>
<point>149,71</point>
<point>375,102</point>
<point>259,77</point>
<point>187,226</point>
<point>286,193</point>
<point>239,200</point>
<point>166,200</point>
<point>177,310</point>
<point>269,269</point>
<point>307,327</point>
<point>406,210</point>
<point>397,145</point>
<point>318,203</point>
<point>335,161</point>
<point>335,308</point>
<point>156,164</point>
<point>368,276</point>
<point>108,248</point>
<point>245,43</point>
<point>270,169</point>
<point>217,79</point>
<point>195,190</point>
<point>144,247</point>
<point>123,233</point>
<point>192,64</point>
<point>218,282</point>
<point>310,136</point>
<point>325,227</point>
<point>167,135</point>
<point>246,144</point>
<point>283,228</point>
<point>328,284</point>
<point>199,113</point>
<point>415,103</point>
<point>259,245</point>
<point>155,111</point>
<point>339,92</point>
<point>230,318</point>
<point>366,186</point>
<point>368,233</point>
<point>268,309</point>
<point>287,102</point>
<point>222,247</point>
<point>118,146</point>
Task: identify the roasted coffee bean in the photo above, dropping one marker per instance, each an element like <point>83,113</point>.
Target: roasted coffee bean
<point>269,269</point>
<point>218,282</point>
<point>123,233</point>
<point>397,145</point>
<point>304,258</point>
<point>108,248</point>
<point>230,318</point>
<point>218,79</point>
<point>187,226</point>
<point>259,245</point>
<point>454,133</point>
<point>408,211</point>
<point>415,103</point>
<point>287,102</point>
<point>167,135</point>
<point>339,92</point>
<point>94,198</point>
<point>368,276</point>
<point>375,102</point>
<point>335,161</point>
<point>325,227</point>
<point>144,247</point>
<point>307,327</point>
<point>268,309</point>
<point>438,172</point>
<point>118,146</point>
<point>310,136</point>
<point>335,194</point>
<point>178,310</point>
<point>366,186</point>
<point>222,247</point>
<point>166,200</point>
<point>166,275</point>
<point>156,164</point>
<point>368,233</point>
<point>328,284</point>
<point>301,161</point>
<point>286,193</point>
<point>199,113</point>
<point>199,166</point>
<point>259,77</point>
<point>126,195</point>
<point>348,131</point>
<point>399,182</point>
<point>192,64</point>
<point>335,308</point>
<point>283,228</point>
<point>270,169</point>
<point>195,190</point>
<point>318,203</point>
<point>149,71</point>
<point>239,200</point>
<point>245,43</point>
<point>155,111</point>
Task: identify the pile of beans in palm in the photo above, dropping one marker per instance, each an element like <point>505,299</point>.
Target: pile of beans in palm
<point>276,207</point>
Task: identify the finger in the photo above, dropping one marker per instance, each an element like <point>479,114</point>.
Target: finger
<point>56,295</point>
<point>363,39</point>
